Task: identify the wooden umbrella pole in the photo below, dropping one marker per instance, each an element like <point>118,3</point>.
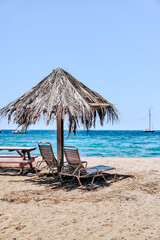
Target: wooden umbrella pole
<point>60,141</point>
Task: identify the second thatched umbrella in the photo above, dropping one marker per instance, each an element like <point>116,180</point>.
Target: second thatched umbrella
<point>57,95</point>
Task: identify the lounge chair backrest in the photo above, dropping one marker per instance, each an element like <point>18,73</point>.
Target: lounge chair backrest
<point>72,155</point>
<point>73,158</point>
<point>47,153</point>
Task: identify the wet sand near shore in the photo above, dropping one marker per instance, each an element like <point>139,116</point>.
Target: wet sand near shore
<point>123,208</point>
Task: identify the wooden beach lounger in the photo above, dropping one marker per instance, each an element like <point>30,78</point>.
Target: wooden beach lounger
<point>48,158</point>
<point>77,169</point>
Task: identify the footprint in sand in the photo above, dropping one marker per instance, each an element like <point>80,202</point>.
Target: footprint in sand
<point>20,227</point>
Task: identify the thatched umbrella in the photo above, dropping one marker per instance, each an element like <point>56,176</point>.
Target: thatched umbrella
<point>57,95</point>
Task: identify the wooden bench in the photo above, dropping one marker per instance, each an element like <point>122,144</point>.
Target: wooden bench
<point>17,159</point>
<point>10,156</point>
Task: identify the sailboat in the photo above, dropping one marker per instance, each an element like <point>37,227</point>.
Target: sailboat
<point>149,129</point>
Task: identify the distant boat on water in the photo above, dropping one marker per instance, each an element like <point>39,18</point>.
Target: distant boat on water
<point>19,131</point>
<point>149,129</point>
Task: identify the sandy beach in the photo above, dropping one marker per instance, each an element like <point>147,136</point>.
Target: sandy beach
<point>123,208</point>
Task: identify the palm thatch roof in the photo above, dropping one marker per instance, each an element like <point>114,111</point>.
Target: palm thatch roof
<point>60,93</point>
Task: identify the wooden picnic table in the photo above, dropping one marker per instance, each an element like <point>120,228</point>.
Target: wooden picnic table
<point>22,151</point>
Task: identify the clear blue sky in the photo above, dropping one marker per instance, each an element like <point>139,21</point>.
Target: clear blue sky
<point>112,46</point>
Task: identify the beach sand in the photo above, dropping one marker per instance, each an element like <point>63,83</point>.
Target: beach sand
<point>127,207</point>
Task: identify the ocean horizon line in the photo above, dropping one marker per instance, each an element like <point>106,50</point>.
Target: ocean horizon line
<point>84,130</point>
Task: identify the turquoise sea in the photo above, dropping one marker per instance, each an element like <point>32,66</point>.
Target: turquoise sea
<point>91,143</point>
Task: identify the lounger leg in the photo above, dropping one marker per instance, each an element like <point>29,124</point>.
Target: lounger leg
<point>104,177</point>
<point>36,169</point>
<point>78,178</point>
<point>98,176</point>
<point>93,180</point>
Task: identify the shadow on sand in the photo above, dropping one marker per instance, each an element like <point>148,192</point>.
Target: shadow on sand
<point>67,183</point>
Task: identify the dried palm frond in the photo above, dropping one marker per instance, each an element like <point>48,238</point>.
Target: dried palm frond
<point>60,93</point>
